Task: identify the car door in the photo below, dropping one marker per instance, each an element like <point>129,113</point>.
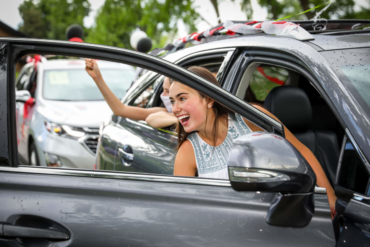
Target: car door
<point>353,190</point>
<point>350,174</point>
<point>136,140</point>
<point>66,207</point>
<point>140,147</point>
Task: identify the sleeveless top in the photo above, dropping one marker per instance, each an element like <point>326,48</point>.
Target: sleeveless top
<point>210,160</point>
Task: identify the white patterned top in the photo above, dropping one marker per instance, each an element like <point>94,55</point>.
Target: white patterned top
<point>211,161</point>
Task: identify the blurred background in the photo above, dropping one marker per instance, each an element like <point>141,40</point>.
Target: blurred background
<point>111,22</point>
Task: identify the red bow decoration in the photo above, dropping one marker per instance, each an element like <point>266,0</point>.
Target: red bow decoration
<point>27,106</point>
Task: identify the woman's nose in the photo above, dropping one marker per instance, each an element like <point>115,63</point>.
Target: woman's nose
<point>175,107</point>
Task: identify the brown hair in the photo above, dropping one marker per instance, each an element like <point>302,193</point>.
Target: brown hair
<point>219,110</point>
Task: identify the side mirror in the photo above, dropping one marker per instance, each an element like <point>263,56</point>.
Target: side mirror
<point>266,162</point>
<point>22,96</point>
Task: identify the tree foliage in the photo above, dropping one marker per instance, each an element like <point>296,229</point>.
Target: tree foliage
<point>49,19</point>
<point>117,19</point>
<point>339,9</point>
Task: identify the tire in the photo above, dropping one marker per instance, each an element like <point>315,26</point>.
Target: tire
<point>33,157</point>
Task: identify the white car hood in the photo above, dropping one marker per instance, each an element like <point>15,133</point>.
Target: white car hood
<point>76,113</point>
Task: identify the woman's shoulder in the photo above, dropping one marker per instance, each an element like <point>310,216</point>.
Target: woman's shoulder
<point>186,147</point>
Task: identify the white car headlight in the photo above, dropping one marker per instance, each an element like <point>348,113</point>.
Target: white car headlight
<point>64,130</point>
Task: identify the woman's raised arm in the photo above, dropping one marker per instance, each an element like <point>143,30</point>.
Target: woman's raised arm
<point>118,108</point>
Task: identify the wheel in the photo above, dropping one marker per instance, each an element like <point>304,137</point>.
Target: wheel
<point>33,157</point>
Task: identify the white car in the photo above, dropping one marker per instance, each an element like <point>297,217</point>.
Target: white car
<point>59,110</point>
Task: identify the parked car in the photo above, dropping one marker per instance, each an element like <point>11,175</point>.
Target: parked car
<point>45,206</point>
<point>59,109</point>
<point>320,93</point>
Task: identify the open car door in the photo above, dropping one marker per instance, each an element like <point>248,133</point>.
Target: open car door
<point>41,206</point>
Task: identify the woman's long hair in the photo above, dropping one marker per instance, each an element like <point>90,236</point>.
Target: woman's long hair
<point>219,110</point>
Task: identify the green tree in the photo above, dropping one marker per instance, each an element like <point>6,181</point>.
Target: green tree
<point>339,9</point>
<point>117,19</point>
<point>50,18</point>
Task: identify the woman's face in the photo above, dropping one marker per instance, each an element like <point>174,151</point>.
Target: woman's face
<point>166,87</point>
<point>188,106</point>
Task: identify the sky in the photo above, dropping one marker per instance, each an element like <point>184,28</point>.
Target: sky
<point>228,11</point>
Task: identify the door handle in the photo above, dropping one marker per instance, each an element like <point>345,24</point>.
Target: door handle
<point>126,154</point>
<point>31,232</point>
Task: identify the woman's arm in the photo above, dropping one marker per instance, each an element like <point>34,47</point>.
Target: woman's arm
<point>118,108</point>
<point>322,180</point>
<point>161,119</point>
<point>185,164</point>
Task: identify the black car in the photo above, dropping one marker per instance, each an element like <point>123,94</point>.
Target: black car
<point>133,200</point>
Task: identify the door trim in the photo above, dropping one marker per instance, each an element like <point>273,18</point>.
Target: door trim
<point>127,176</point>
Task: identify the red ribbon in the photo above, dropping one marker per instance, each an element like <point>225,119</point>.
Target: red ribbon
<point>250,23</point>
<point>273,79</point>
<point>214,30</point>
<point>27,106</point>
<point>229,32</point>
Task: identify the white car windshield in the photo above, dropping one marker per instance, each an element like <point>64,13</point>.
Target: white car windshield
<point>77,85</point>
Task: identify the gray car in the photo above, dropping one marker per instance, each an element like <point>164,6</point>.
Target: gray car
<point>270,198</point>
<point>60,127</point>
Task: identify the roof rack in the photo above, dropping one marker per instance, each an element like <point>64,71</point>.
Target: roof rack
<point>283,28</point>
<point>324,25</point>
<point>300,30</point>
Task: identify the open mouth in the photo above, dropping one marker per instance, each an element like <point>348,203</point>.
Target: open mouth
<point>184,119</point>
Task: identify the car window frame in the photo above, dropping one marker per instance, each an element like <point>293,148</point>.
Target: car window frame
<point>348,137</point>
<point>275,58</point>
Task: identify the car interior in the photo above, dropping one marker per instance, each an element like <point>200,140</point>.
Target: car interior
<point>309,118</point>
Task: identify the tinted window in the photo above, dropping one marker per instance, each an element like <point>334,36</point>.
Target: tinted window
<point>24,78</point>
<point>353,173</point>
<point>144,97</point>
<point>353,69</point>
<point>77,85</point>
<point>264,79</point>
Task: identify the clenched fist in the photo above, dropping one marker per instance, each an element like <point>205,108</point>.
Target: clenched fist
<point>92,68</point>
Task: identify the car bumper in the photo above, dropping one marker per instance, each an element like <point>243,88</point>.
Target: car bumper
<point>71,153</point>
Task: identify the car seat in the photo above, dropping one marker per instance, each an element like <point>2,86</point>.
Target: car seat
<point>292,107</point>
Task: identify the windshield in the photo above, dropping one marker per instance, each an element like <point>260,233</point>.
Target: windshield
<point>77,85</point>
<point>353,68</point>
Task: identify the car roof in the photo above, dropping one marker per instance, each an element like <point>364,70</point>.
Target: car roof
<point>321,41</point>
<point>341,41</point>
<point>80,64</point>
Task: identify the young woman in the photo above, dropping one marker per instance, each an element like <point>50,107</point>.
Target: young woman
<point>206,130</point>
<point>162,116</point>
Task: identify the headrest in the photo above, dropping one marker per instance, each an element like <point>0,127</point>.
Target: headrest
<point>291,106</point>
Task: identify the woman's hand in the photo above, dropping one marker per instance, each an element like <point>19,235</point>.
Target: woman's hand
<point>92,69</point>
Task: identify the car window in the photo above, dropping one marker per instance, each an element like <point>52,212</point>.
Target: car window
<point>353,68</point>
<point>294,98</point>
<point>263,80</point>
<point>353,174</point>
<point>143,98</point>
<point>24,78</point>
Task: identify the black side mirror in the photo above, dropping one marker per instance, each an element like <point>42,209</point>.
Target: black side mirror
<point>268,163</point>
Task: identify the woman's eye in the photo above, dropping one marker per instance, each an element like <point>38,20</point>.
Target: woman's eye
<point>172,102</point>
<point>182,99</point>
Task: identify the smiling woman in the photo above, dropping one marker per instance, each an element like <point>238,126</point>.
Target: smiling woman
<point>206,131</point>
